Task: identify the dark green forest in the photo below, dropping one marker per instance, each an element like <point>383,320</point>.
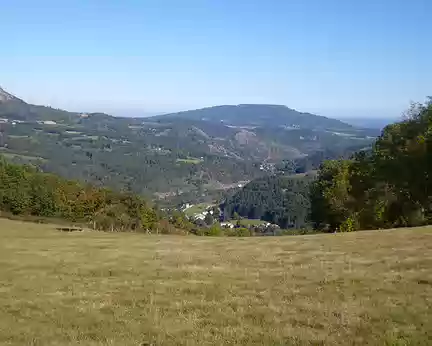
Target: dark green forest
<point>281,200</point>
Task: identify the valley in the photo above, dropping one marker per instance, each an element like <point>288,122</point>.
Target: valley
<point>192,156</point>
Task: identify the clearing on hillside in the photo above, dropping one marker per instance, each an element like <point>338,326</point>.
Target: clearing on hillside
<point>89,288</point>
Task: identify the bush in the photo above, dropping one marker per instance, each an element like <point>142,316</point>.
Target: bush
<point>239,232</point>
<point>213,231</point>
<point>349,225</point>
<point>164,227</point>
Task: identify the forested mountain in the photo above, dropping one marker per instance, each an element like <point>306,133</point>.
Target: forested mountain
<point>282,200</point>
<point>260,115</point>
<point>173,155</point>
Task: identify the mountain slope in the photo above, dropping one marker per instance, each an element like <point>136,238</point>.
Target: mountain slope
<point>283,200</point>
<point>6,97</point>
<point>13,108</point>
<point>178,154</point>
<point>260,115</point>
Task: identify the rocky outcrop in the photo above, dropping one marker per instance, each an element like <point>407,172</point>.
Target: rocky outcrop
<point>5,96</point>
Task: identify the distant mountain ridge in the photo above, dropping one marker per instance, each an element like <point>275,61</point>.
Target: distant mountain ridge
<point>252,115</point>
<point>259,115</point>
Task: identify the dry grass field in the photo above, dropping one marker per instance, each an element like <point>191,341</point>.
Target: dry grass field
<point>92,288</point>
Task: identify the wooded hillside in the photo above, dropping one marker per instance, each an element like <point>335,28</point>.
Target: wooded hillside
<point>390,186</point>
<point>283,200</point>
<point>26,191</point>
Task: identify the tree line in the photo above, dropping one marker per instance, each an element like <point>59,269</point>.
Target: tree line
<point>386,187</point>
<point>26,191</point>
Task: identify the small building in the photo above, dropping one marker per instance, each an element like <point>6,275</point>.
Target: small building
<point>199,217</point>
<point>50,122</point>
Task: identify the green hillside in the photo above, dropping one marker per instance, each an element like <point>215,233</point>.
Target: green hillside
<point>28,193</point>
<point>282,200</point>
<point>166,157</point>
<point>385,186</point>
<point>260,115</point>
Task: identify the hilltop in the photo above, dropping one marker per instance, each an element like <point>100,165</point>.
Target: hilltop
<point>260,115</point>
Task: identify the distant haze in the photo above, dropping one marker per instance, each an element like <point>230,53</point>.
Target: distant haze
<point>372,119</point>
<point>372,123</point>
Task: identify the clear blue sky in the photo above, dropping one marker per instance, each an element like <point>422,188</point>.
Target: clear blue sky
<point>341,58</point>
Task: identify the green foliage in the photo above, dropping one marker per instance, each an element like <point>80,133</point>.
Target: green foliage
<point>283,200</point>
<point>330,195</point>
<point>388,187</point>
<point>238,232</point>
<point>26,191</point>
<point>209,220</point>
<point>148,218</point>
<point>180,221</point>
<point>214,231</point>
<point>349,225</point>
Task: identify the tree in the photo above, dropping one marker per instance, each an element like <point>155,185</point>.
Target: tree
<point>209,220</point>
<point>389,186</point>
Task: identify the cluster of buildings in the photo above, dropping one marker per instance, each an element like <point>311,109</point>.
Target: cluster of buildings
<point>202,215</point>
<point>15,121</point>
<point>264,228</point>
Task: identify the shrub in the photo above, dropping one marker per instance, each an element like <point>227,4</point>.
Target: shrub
<point>239,232</point>
<point>349,225</point>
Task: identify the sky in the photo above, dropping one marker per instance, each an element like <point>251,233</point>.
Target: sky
<point>341,58</point>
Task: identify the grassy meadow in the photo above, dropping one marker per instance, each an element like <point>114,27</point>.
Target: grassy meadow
<point>250,222</point>
<point>197,209</point>
<point>93,288</point>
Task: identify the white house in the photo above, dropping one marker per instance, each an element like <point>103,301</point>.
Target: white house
<point>47,122</point>
<point>199,217</point>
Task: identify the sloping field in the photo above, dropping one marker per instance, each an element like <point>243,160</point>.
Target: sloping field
<point>129,289</point>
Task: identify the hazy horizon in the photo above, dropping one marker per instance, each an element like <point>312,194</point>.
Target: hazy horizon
<point>337,59</point>
<point>137,112</point>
